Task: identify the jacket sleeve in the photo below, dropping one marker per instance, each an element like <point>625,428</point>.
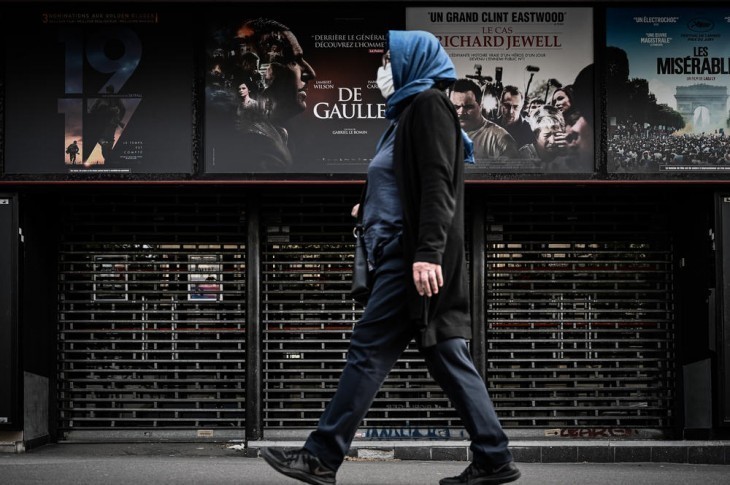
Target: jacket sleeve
<point>434,144</point>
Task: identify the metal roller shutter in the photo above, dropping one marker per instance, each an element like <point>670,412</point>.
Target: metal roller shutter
<point>152,313</point>
<point>580,313</point>
<point>308,317</point>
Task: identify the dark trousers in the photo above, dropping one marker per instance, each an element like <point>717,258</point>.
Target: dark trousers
<point>378,340</point>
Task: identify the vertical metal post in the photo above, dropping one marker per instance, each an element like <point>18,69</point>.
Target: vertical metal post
<point>478,285</point>
<point>722,257</point>
<point>254,397</point>
<point>11,394</point>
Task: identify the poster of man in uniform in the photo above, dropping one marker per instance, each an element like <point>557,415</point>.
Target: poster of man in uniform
<point>525,88</point>
<point>292,91</point>
<point>667,90</point>
<point>98,89</point>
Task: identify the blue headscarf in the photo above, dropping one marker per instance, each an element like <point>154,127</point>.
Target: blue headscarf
<point>418,61</point>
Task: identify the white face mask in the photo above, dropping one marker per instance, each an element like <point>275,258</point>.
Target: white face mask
<point>385,81</point>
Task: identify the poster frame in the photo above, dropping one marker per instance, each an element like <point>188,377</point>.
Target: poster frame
<point>197,174</point>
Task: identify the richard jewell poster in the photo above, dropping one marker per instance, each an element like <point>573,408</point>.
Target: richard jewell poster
<point>293,91</point>
<point>668,73</point>
<point>530,73</point>
<point>98,89</point>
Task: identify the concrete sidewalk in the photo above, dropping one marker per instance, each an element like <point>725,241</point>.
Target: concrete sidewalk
<point>212,463</point>
<point>708,452</point>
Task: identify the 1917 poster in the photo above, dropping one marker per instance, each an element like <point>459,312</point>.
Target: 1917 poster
<point>98,90</point>
<point>667,90</point>
<point>293,91</point>
<point>530,70</point>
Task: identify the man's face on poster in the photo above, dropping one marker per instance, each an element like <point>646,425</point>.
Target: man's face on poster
<point>534,107</point>
<point>287,74</point>
<point>580,139</point>
<point>510,107</point>
<point>467,108</point>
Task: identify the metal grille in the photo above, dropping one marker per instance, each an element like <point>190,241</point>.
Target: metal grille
<point>152,315</point>
<point>580,312</point>
<point>308,317</point>
<point>152,312</point>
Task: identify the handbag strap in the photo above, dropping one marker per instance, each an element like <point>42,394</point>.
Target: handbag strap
<point>361,203</point>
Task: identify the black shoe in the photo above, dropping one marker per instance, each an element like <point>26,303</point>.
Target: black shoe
<point>299,464</point>
<point>476,474</point>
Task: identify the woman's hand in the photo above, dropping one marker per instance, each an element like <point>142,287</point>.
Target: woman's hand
<point>428,278</point>
<point>354,210</point>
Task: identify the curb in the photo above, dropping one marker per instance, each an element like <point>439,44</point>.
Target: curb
<point>691,452</point>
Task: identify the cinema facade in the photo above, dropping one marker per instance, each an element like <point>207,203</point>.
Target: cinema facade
<point>172,283</point>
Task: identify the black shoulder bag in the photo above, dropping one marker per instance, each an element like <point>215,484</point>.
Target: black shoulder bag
<point>361,277</point>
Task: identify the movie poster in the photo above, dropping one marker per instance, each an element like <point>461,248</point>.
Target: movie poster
<point>293,90</point>
<point>668,72</point>
<point>98,89</point>
<point>529,74</point>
